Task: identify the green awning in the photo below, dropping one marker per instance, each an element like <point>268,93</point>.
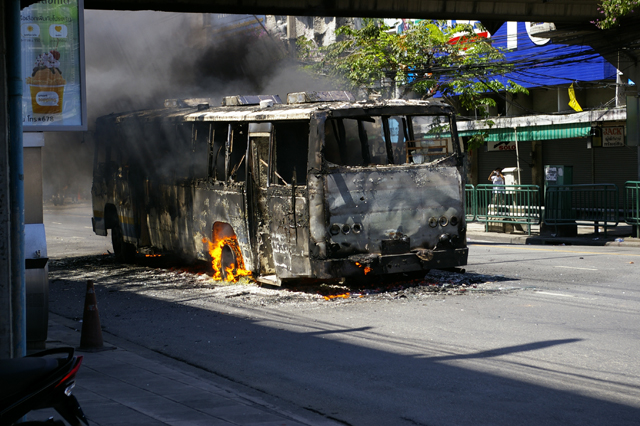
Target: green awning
<point>535,133</point>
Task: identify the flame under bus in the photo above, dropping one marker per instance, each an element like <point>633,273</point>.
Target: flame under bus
<point>321,187</point>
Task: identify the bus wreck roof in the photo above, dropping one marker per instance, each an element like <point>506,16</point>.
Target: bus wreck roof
<point>279,112</point>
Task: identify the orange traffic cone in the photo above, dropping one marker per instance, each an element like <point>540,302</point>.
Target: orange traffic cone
<point>91,336</point>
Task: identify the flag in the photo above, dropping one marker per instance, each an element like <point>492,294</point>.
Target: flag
<point>573,103</point>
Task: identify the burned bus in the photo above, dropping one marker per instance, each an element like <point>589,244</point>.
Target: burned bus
<point>321,187</point>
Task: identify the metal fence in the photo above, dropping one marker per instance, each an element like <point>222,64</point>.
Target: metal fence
<point>470,202</point>
<point>514,204</point>
<point>631,207</point>
<point>595,204</point>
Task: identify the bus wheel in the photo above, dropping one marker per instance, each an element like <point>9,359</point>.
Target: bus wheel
<point>125,252</point>
<point>228,264</point>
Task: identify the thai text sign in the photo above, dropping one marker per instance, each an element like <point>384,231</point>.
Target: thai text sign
<point>612,136</point>
<point>53,95</point>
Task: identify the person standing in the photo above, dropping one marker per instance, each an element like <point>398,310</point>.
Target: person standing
<point>497,178</point>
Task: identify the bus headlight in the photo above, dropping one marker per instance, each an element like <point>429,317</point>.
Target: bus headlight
<point>334,229</point>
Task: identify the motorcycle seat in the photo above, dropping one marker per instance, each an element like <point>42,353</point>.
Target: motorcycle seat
<point>17,374</point>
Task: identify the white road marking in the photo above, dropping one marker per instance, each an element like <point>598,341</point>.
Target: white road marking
<point>575,267</point>
<point>554,294</point>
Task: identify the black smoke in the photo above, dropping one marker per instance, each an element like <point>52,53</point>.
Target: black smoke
<point>136,60</point>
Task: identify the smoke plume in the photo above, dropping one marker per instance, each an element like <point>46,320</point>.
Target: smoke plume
<point>136,60</point>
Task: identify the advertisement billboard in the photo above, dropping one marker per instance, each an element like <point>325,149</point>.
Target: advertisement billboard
<point>53,92</point>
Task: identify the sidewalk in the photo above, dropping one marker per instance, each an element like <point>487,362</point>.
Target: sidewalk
<point>131,385</point>
<point>586,236</point>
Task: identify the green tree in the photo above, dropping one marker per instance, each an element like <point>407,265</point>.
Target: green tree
<point>613,10</point>
<point>427,59</point>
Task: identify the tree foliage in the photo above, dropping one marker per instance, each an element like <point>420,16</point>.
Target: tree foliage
<point>613,10</point>
<point>428,58</point>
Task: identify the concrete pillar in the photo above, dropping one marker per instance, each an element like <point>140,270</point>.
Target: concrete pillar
<point>6,343</point>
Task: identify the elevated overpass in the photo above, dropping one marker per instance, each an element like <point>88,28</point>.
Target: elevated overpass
<point>565,11</point>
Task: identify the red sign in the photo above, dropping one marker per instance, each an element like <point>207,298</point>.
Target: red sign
<point>612,136</point>
<point>501,146</point>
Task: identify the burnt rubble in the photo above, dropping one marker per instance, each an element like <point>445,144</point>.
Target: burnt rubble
<point>161,277</point>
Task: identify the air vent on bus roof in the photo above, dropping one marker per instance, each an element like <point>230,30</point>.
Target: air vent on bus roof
<point>310,97</point>
<point>187,103</point>
<point>239,100</point>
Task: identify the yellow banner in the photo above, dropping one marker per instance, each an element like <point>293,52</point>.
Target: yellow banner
<point>573,103</point>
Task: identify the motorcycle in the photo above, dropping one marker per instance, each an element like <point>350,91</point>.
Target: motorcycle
<point>41,380</point>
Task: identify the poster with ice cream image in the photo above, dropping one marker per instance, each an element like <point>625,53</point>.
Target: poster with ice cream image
<point>52,66</point>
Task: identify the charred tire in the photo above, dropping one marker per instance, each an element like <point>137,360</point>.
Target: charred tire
<point>125,252</point>
<point>228,260</point>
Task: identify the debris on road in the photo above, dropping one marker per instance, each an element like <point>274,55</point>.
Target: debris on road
<point>169,280</point>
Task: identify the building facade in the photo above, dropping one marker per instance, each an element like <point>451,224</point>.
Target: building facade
<point>532,131</point>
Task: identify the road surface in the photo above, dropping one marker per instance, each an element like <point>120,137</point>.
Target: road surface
<point>550,337</point>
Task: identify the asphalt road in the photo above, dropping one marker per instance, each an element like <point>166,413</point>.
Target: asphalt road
<point>69,231</point>
<point>554,342</point>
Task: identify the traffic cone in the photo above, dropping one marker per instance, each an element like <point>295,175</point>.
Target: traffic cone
<point>91,336</point>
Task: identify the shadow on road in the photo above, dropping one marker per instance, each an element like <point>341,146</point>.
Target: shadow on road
<point>358,384</point>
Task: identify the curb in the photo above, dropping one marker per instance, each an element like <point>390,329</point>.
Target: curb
<point>587,240</point>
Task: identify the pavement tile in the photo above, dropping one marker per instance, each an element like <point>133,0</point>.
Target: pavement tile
<point>167,411</point>
<point>210,422</point>
<point>86,395</point>
<point>206,402</point>
<point>132,386</point>
<point>243,414</point>
<point>112,412</point>
<point>108,385</point>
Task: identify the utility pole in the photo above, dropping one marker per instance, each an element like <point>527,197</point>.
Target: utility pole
<point>292,35</point>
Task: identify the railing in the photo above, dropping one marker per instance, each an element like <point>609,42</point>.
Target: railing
<point>470,203</point>
<point>631,205</point>
<point>514,204</point>
<point>595,204</point>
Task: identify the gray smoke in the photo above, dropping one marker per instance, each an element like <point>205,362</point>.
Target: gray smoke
<point>136,60</point>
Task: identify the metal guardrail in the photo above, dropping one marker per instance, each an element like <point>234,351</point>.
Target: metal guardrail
<point>514,204</point>
<point>631,205</point>
<point>591,204</point>
<point>470,202</point>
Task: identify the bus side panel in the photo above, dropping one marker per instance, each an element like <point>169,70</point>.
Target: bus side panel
<point>127,204</point>
<point>171,218</point>
<point>99,199</point>
<point>102,188</point>
<point>221,203</point>
<point>289,235</point>
<point>161,213</point>
<point>183,226</point>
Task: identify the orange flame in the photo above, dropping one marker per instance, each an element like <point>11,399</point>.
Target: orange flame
<point>232,272</point>
<point>337,296</point>
<point>366,268</point>
<point>152,255</point>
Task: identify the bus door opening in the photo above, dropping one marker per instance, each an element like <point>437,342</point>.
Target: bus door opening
<point>260,138</point>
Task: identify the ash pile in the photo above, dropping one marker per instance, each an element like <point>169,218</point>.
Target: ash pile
<point>171,281</point>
